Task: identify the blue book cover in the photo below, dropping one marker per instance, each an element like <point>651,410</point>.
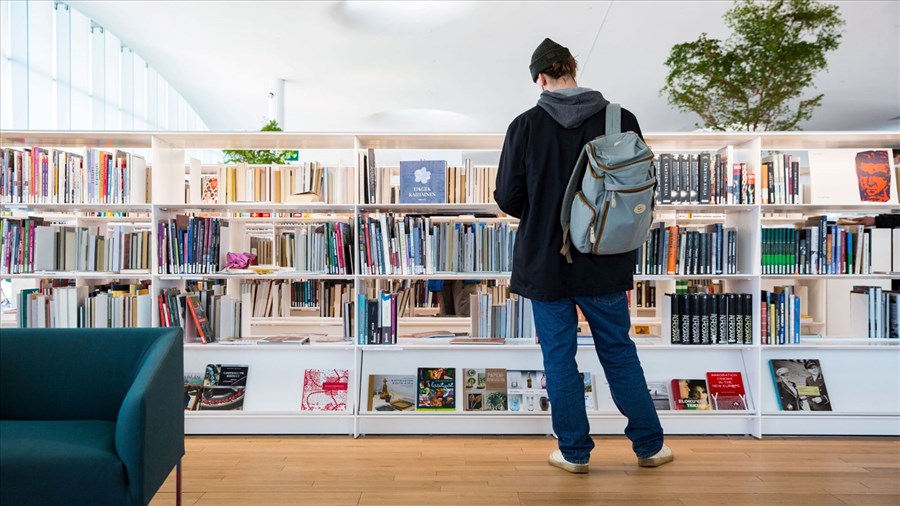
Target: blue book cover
<point>422,182</point>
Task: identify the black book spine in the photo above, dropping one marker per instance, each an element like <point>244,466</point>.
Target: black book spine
<point>704,319</point>
<point>685,313</point>
<point>676,179</point>
<point>704,178</point>
<point>695,179</point>
<point>665,170</point>
<point>723,318</point>
<point>674,318</point>
<point>748,317</point>
<point>714,319</point>
<point>373,321</point>
<point>695,318</point>
<point>731,334</point>
<point>738,306</point>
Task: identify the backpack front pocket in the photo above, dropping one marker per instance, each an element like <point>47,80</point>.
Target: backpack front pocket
<point>584,218</point>
<point>626,217</point>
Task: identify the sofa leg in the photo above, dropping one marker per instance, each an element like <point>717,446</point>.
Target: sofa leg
<point>178,483</point>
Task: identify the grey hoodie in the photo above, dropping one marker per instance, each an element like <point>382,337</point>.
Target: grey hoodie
<point>570,107</point>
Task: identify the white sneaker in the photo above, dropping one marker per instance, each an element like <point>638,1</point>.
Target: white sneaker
<point>663,456</point>
<point>557,459</point>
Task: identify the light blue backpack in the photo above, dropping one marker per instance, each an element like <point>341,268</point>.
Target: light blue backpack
<point>614,209</point>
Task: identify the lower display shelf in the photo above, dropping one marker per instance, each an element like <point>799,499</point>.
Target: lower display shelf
<point>830,424</point>
<point>250,422</point>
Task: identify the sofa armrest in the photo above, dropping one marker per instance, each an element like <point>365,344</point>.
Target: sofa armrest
<point>150,424</point>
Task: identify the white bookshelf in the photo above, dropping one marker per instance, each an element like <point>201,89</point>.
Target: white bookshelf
<point>860,373</point>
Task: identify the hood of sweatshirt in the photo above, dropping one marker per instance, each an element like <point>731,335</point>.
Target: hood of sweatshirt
<point>570,107</point>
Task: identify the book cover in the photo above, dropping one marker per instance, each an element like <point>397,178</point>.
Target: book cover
<point>193,388</point>
<point>527,391</point>
<point>800,385</point>
<point>726,391</point>
<point>436,389</point>
<point>324,390</point>
<point>224,387</point>
<point>590,401</point>
<point>422,182</point>
<point>659,392</point>
<point>484,390</point>
<point>391,392</point>
<point>852,176</point>
<point>690,394</point>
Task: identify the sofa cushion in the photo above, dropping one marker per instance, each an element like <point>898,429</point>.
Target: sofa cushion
<point>60,462</point>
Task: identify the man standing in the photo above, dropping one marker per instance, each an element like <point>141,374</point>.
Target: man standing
<point>539,153</point>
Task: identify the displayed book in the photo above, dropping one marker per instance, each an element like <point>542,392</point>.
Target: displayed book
<point>690,394</point>
<point>688,251</point>
<point>874,312</point>
<point>209,189</point>
<point>224,387</point>
<point>726,391</point>
<point>422,182</point>
<point>714,318</point>
<point>800,385</point>
<point>407,244</point>
<point>590,399</point>
<point>852,176</point>
<point>780,316</point>
<point>324,390</point>
<point>512,320</point>
<point>391,392</point>
<point>436,389</point>
<point>527,391</point>
<point>484,389</point>
<point>659,393</point>
<point>193,388</point>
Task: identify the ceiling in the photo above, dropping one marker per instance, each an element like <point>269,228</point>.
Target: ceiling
<point>462,66</point>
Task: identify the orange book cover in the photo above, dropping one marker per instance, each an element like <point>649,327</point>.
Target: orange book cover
<point>671,264</point>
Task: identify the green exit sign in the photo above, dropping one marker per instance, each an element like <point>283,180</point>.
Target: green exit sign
<point>292,156</point>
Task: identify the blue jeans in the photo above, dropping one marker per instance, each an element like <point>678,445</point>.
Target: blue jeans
<point>556,323</point>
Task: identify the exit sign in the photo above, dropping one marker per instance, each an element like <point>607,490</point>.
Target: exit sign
<point>292,156</point>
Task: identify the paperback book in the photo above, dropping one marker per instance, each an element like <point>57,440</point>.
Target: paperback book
<point>690,394</point>
<point>391,392</point>
<point>726,391</point>
<point>422,182</point>
<point>325,390</point>
<point>527,391</point>
<point>436,389</point>
<point>484,390</point>
<point>800,385</point>
<point>224,387</point>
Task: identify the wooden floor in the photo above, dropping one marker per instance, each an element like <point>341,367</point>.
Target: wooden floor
<point>381,470</point>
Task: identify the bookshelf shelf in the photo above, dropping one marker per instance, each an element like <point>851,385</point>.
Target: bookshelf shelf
<point>276,373</point>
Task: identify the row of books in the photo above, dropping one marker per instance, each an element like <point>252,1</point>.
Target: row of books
<point>645,294</point>
<point>780,179</point>
<point>390,244</point>
<point>325,248</point>
<point>54,305</point>
<point>190,245</point>
<point>279,184</point>
<point>681,250</point>
<point>725,318</point>
<point>205,312</point>
<point>703,179</point>
<point>718,391</point>
<point>780,316</point>
<point>875,312</point>
<point>828,248</point>
<point>33,245</point>
<point>510,319</point>
<point>376,318</point>
<point>277,298</point>
<point>43,176</point>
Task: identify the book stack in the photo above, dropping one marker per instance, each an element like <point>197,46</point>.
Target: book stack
<point>685,251</point>
<point>875,312</point>
<point>59,304</point>
<point>189,245</point>
<point>703,179</point>
<point>780,179</point>
<point>511,320</point>
<point>824,247</point>
<point>421,245</point>
<point>780,314</point>
<point>376,318</point>
<point>205,312</point>
<point>700,318</point>
<point>49,176</point>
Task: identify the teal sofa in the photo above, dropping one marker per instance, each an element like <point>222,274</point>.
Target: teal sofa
<point>89,416</point>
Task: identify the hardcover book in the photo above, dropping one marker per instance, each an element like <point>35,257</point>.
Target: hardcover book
<point>484,390</point>
<point>726,391</point>
<point>527,391</point>
<point>799,385</point>
<point>436,389</point>
<point>391,392</point>
<point>324,390</point>
<point>422,182</point>
<point>852,176</point>
<point>690,394</point>
<point>224,387</point>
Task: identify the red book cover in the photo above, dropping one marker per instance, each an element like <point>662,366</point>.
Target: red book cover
<point>726,391</point>
<point>325,390</point>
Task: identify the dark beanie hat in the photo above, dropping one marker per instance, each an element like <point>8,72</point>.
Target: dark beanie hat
<point>545,56</point>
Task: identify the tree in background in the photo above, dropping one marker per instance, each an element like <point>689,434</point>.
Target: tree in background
<point>257,157</point>
<point>755,78</point>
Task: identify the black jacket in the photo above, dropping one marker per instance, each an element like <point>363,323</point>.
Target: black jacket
<point>537,159</point>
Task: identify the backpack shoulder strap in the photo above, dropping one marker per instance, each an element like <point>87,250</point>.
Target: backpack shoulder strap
<point>565,214</point>
<point>613,119</point>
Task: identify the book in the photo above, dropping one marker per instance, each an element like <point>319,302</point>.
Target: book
<point>659,393</point>
<point>800,385</point>
<point>527,391</point>
<point>484,389</point>
<point>422,182</point>
<point>852,176</point>
<point>391,392</point>
<point>193,387</point>
<point>224,387</point>
<point>726,391</point>
<point>436,389</point>
<point>590,400</point>
<point>324,390</point>
<point>690,394</point>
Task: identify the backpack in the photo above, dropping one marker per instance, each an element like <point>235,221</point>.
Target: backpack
<point>614,209</point>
